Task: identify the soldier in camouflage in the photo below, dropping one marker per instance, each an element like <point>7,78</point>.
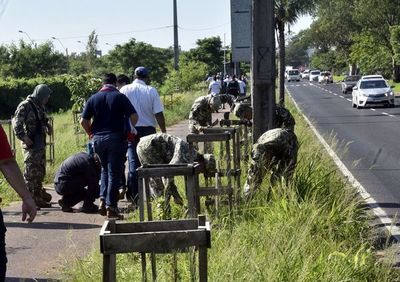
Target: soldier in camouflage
<point>201,113</point>
<point>163,148</point>
<point>283,117</point>
<point>275,151</point>
<point>30,124</point>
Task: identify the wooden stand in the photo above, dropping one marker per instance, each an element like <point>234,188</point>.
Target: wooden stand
<point>226,172</point>
<point>154,237</point>
<point>189,171</point>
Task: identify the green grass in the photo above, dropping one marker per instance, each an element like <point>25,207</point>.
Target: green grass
<point>66,142</point>
<point>313,229</point>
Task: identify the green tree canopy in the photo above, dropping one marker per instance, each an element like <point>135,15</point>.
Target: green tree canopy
<point>209,51</point>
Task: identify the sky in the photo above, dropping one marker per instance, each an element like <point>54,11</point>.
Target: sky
<point>115,22</point>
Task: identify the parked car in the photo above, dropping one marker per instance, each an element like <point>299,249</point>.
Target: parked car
<point>325,77</point>
<point>349,82</point>
<point>305,74</point>
<point>314,75</point>
<point>293,75</point>
<point>372,91</point>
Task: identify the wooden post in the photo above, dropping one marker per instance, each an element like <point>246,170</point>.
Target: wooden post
<point>263,66</point>
<point>109,260</point>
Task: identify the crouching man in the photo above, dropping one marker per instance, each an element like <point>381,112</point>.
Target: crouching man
<point>275,152</point>
<point>77,180</point>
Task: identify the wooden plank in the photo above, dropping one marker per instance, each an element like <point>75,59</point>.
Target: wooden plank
<point>190,195</point>
<point>203,264</point>
<point>211,137</point>
<point>150,226</point>
<point>164,171</point>
<point>109,259</point>
<point>157,242</point>
<point>208,130</point>
<point>214,192</point>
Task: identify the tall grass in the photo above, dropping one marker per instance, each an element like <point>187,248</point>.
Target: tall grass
<point>313,228</point>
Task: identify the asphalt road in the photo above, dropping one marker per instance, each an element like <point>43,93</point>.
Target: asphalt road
<point>369,140</point>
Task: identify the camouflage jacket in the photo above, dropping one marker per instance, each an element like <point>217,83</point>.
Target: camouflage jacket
<point>276,145</point>
<point>24,122</point>
<point>284,118</point>
<point>163,148</point>
<point>200,114</point>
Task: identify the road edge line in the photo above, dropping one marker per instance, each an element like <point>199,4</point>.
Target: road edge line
<point>393,230</point>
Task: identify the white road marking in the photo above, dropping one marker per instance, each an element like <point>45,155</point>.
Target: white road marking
<point>341,97</point>
<point>372,109</point>
<point>373,204</point>
<point>349,100</point>
<point>387,114</point>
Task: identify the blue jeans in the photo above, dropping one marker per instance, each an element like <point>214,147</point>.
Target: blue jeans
<point>111,149</point>
<point>3,258</point>
<point>134,163</point>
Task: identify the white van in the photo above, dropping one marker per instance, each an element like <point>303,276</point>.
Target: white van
<point>293,75</point>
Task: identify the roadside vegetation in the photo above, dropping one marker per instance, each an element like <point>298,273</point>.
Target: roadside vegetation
<point>313,229</point>
<point>69,137</point>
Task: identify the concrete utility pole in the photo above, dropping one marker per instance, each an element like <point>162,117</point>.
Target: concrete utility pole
<point>263,66</point>
<point>176,45</point>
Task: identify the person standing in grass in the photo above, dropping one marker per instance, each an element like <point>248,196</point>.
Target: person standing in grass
<point>147,102</point>
<point>30,124</point>
<point>104,117</point>
<point>13,175</point>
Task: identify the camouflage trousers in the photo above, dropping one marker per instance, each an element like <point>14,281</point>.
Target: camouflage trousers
<point>34,169</point>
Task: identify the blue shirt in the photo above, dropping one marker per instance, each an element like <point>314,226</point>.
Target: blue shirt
<point>109,109</point>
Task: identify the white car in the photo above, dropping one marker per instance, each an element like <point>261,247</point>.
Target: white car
<point>293,75</point>
<point>314,75</point>
<point>371,91</point>
<point>305,74</point>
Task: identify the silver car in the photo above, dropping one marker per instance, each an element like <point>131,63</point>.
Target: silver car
<point>372,91</point>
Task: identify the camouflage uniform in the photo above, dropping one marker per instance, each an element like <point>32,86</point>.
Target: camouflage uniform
<point>284,118</point>
<point>275,150</point>
<point>163,148</point>
<point>34,124</point>
<point>243,111</point>
<point>227,98</point>
<point>201,112</point>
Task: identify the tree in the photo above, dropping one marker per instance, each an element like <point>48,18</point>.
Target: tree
<point>296,50</point>
<point>125,58</point>
<point>287,12</point>
<point>23,60</point>
<point>377,17</point>
<point>91,51</point>
<point>209,51</point>
<point>395,43</point>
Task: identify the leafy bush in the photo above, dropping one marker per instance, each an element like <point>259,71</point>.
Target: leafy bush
<point>13,91</point>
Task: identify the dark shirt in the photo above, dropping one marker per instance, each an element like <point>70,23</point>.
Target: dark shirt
<point>79,168</point>
<point>110,109</point>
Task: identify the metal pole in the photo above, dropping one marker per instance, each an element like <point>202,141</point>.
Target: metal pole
<point>32,42</point>
<point>263,66</point>
<point>176,46</point>
<point>62,45</point>
<point>224,57</point>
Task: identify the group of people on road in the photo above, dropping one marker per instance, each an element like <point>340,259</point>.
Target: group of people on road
<point>228,85</point>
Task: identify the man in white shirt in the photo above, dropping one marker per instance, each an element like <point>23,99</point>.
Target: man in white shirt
<point>215,87</point>
<point>149,108</point>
